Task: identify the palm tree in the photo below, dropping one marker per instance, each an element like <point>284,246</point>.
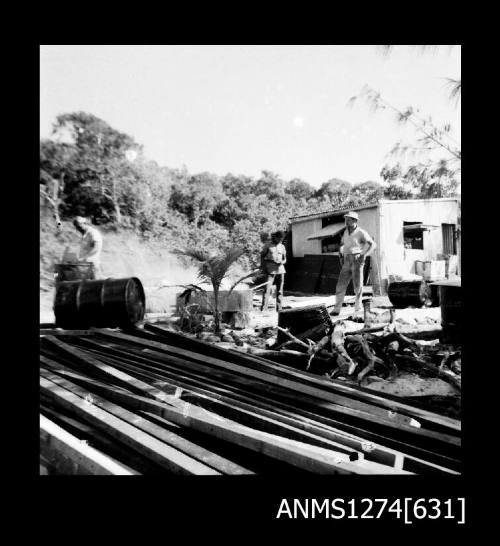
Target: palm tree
<point>213,269</point>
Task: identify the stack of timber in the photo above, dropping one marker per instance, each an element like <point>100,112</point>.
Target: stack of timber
<point>151,401</point>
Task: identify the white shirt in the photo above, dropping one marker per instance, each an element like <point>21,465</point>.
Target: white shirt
<point>91,246</point>
<point>274,256</point>
<point>355,242</point>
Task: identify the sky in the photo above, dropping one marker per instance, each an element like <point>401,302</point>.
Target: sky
<point>241,109</point>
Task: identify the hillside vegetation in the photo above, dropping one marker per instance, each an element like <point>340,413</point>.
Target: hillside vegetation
<point>146,211</point>
<point>88,168</point>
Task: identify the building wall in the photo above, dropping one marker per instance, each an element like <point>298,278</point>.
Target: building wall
<point>385,224</point>
<point>369,221</point>
<point>394,258</point>
<point>300,232</point>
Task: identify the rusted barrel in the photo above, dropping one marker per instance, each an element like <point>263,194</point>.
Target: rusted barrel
<point>409,293</point>
<point>450,295</point>
<point>101,303</point>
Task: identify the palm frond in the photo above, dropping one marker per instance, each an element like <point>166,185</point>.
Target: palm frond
<point>213,269</point>
<point>188,290</point>
<point>195,254</point>
<point>192,287</point>
<point>251,274</point>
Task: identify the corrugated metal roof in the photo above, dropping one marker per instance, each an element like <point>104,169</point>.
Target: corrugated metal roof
<point>328,212</point>
<point>334,211</point>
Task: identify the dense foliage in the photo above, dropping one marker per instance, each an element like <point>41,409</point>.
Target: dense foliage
<point>89,168</point>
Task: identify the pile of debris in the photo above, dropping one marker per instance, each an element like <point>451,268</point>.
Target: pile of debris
<point>378,350</point>
<point>345,348</point>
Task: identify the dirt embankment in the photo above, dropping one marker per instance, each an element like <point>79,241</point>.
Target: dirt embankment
<point>124,254</point>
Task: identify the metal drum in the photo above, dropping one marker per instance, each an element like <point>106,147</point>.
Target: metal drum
<point>450,295</point>
<point>409,293</point>
<point>101,303</point>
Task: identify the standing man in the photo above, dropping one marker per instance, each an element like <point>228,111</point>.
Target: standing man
<point>265,239</point>
<point>273,258</point>
<point>91,244</point>
<point>356,245</point>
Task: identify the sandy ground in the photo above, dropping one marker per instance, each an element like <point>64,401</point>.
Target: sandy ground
<point>161,274</point>
<point>405,384</point>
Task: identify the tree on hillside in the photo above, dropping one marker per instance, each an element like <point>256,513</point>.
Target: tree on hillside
<point>237,187</point>
<point>421,180</point>
<point>146,203</point>
<point>54,159</point>
<point>299,189</point>
<point>95,163</point>
<point>335,190</point>
<point>269,184</point>
<point>368,191</point>
<point>197,197</point>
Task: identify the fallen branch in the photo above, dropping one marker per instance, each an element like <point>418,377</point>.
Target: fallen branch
<point>344,361</point>
<point>293,338</point>
<point>310,333</point>
<point>370,356</point>
<point>314,350</point>
<point>445,375</point>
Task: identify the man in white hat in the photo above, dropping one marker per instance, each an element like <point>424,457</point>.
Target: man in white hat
<point>356,245</point>
<point>91,244</point>
<point>273,260</point>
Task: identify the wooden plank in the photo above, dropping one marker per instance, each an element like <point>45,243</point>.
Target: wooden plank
<point>362,394</point>
<point>426,435</point>
<point>132,367</point>
<point>197,452</point>
<point>370,441</point>
<point>58,445</point>
<point>247,414</point>
<point>303,376</point>
<point>58,332</point>
<point>166,456</point>
<point>87,361</point>
<point>380,455</point>
<point>336,439</point>
<point>98,440</point>
<point>387,416</point>
<point>311,458</point>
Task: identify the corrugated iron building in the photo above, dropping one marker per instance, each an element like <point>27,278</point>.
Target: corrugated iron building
<point>406,231</point>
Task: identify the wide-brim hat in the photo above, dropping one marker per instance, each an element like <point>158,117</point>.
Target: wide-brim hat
<point>352,214</point>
